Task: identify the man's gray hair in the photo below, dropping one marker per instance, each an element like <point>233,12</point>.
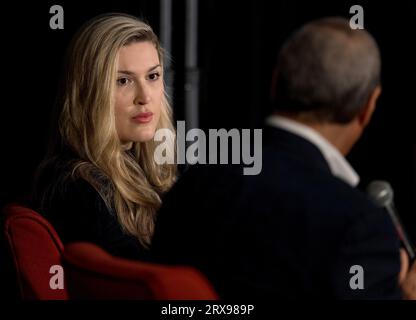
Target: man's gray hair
<point>327,71</point>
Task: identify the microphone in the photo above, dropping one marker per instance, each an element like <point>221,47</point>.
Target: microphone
<point>382,195</point>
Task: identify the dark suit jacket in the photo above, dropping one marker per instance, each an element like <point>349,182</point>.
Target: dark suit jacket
<point>294,231</point>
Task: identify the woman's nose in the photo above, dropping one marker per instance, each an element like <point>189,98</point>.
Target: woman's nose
<point>142,95</point>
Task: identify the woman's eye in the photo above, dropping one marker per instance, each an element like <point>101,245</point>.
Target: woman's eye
<point>154,76</point>
<point>123,81</point>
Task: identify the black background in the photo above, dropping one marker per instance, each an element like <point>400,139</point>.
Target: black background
<point>238,42</point>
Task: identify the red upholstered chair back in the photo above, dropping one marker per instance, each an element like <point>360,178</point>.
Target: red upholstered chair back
<point>92,273</point>
<point>34,248</point>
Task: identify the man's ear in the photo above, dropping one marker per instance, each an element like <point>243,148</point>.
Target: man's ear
<point>365,115</point>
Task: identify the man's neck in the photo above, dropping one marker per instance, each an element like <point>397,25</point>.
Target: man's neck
<point>339,135</point>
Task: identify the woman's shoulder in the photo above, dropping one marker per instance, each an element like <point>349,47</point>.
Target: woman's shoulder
<point>76,190</point>
<point>77,209</point>
<point>58,186</point>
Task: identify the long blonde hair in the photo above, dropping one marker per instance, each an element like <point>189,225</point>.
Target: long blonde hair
<point>130,182</point>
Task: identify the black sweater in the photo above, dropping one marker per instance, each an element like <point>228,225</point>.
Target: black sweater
<point>78,212</point>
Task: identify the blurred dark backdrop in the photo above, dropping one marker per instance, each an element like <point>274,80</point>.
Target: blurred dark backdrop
<point>237,46</point>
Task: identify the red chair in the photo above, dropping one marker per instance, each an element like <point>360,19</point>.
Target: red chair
<point>93,273</point>
<point>34,247</point>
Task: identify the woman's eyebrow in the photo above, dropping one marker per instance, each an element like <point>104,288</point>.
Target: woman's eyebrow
<point>153,68</point>
<point>133,73</point>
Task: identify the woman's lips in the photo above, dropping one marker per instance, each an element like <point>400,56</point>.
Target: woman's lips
<point>144,117</point>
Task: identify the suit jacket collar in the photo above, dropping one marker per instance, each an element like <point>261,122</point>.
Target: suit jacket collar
<point>298,147</point>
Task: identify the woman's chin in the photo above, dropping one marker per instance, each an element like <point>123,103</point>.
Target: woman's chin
<point>145,136</point>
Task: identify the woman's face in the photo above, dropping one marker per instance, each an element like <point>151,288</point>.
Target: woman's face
<point>139,93</point>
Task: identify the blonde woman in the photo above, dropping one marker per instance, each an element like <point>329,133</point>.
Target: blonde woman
<point>100,182</point>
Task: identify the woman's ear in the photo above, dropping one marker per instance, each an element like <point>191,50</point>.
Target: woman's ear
<point>366,113</point>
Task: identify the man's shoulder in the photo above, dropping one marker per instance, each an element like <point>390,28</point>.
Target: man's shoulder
<point>311,171</point>
<point>325,187</point>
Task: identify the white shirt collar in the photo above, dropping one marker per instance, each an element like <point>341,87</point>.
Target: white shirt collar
<point>338,165</point>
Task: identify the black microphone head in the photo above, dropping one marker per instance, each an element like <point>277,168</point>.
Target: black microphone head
<point>381,193</point>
